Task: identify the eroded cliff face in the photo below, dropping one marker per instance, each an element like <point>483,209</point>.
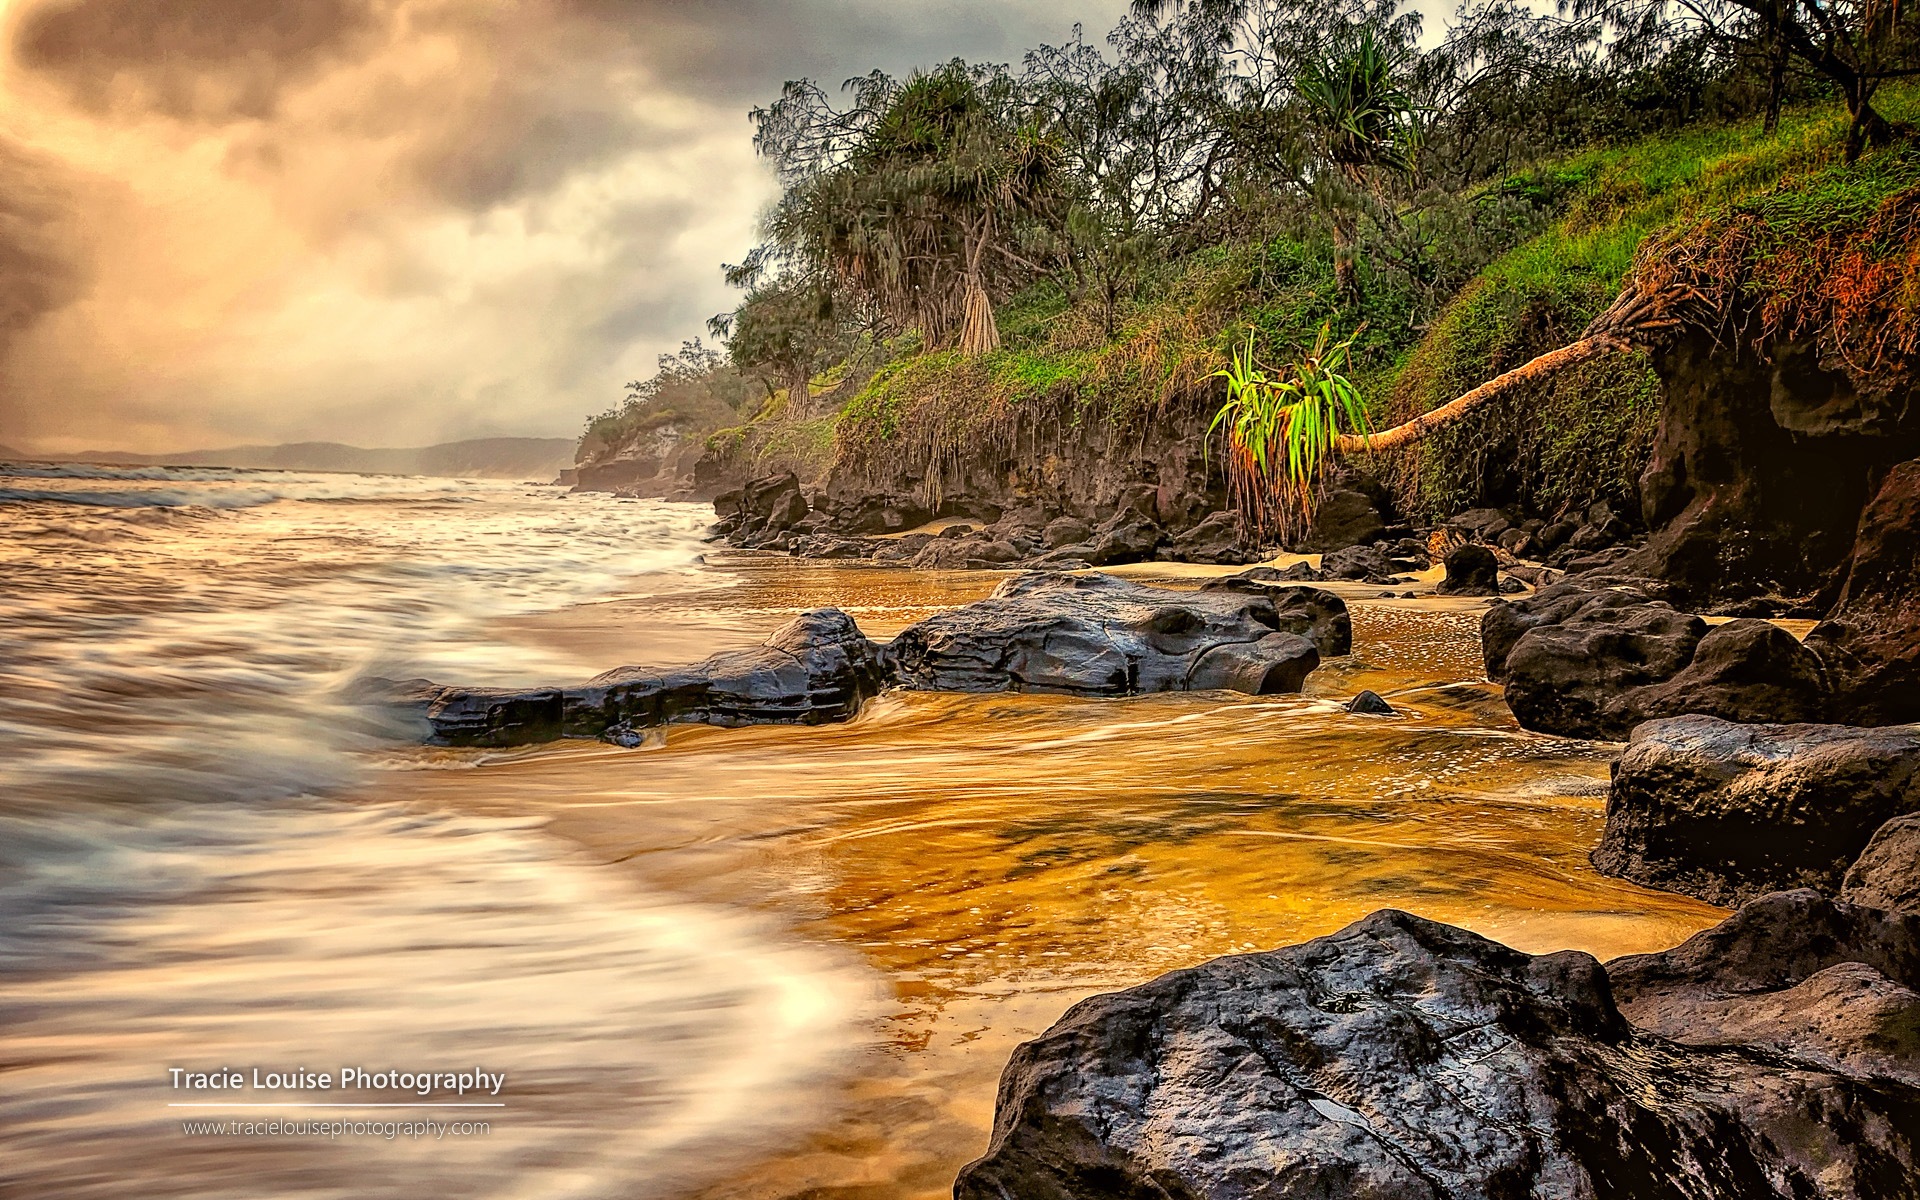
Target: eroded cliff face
<point>653,462</point>
<point>1045,459</point>
<point>1761,469</point>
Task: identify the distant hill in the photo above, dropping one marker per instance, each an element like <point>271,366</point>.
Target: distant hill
<point>538,459</point>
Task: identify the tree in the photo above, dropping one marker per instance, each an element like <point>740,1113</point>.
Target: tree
<point>1856,45</point>
<point>1362,122</point>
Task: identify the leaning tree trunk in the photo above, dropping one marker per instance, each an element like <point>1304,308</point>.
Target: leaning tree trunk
<point>1635,316</point>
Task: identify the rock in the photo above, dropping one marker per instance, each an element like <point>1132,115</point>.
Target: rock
<point>1887,873</point>
<point>1098,635</point>
<point>815,669</point>
<point>1214,540</point>
<point>1517,542</point>
<point>1794,973</point>
<point>827,545</point>
<point>1314,613</point>
<point>1471,571</point>
<point>1870,642</point>
<point>1760,469</point>
<point>1123,538</point>
<point>1726,812</point>
<point>1363,564</point>
<point>1511,586</point>
<point>1371,704</point>
<point>902,548</point>
<point>1585,661</point>
<point>1066,531</point>
<point>1744,670</point>
<point>958,530</point>
<point>773,501</point>
<point>1402,1059</point>
<point>1552,537</point>
<point>871,514</point>
<point>1347,516</point>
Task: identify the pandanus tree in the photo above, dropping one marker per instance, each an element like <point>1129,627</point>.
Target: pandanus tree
<point>905,206</point>
<point>1362,121</point>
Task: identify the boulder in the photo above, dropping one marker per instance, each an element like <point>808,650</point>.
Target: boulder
<point>1214,540</point>
<point>1794,973</point>
<point>1402,1059</point>
<point>815,669</point>
<point>1363,564</point>
<point>773,501</point>
<point>1586,661</point>
<point>1125,537</point>
<point>1471,571</point>
<point>1347,515</point>
<point>880,513</point>
<point>1481,524</point>
<point>1726,812</point>
<point>827,545</point>
<point>1887,873</point>
<point>1098,635</point>
<point>1870,642</point>
<point>1066,531</point>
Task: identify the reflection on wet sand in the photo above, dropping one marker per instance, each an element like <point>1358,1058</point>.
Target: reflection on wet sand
<point>995,858</point>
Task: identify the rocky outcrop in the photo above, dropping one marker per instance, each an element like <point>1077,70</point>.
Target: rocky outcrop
<point>1402,1059</point>
<point>1726,812</point>
<point>1870,642</point>
<point>764,508</point>
<point>1795,974</point>
<point>1760,469</point>
<point>815,669</point>
<point>1887,873</point>
<point>1586,661</point>
<point>1098,635</point>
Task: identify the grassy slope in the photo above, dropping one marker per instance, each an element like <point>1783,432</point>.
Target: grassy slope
<point>1579,438</point>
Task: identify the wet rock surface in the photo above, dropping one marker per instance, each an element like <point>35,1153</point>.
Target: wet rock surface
<point>1401,1058</point>
<point>1586,661</point>
<point>1098,635</point>
<point>815,669</point>
<point>1472,570</point>
<point>1727,811</point>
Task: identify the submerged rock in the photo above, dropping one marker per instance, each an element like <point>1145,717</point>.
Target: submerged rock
<point>1727,812</point>
<point>1371,704</point>
<point>817,668</point>
<point>1402,1059</point>
<point>1586,661</point>
<point>1099,635</point>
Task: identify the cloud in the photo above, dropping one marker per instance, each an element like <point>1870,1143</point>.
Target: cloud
<point>394,221</point>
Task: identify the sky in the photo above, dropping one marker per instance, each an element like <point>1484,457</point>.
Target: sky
<point>395,222</point>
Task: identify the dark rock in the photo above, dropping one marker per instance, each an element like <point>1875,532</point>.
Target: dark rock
<point>815,669</point>
<point>1214,540</point>
<point>1471,571</point>
<point>1585,661</point>
<point>1743,670</point>
<point>1794,973</point>
<point>1511,586</point>
<point>1887,873</point>
<point>826,545</point>
<point>1727,812</point>
<point>1401,1059</point>
<point>1481,524</point>
<point>1314,613</point>
<point>1066,531</point>
<point>902,548</point>
<point>870,514</point>
<point>1371,704</point>
<point>958,530</point>
<point>1760,469</point>
<point>1517,542</point>
<point>771,501</point>
<point>1358,563</point>
<point>1125,537</point>
<point>1098,635</point>
<point>1347,515</point>
<point>1552,537</point>
<point>1870,642</point>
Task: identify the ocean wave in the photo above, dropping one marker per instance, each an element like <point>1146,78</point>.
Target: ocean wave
<point>142,498</point>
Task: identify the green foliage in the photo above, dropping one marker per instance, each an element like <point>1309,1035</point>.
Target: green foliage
<point>1280,430</point>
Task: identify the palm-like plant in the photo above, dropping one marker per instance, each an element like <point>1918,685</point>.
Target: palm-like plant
<point>1282,430</point>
